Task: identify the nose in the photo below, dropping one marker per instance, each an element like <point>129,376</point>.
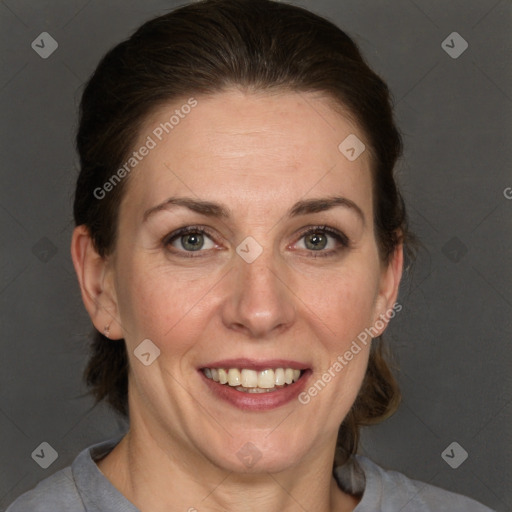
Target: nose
<point>259,301</point>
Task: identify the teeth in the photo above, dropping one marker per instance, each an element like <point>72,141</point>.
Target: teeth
<point>223,376</point>
<point>234,377</point>
<point>266,379</point>
<point>255,390</point>
<point>279,377</point>
<point>249,379</point>
<point>252,381</point>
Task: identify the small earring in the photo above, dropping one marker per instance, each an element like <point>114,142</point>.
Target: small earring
<point>106,331</point>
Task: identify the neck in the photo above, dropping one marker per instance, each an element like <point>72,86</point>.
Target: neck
<point>156,474</point>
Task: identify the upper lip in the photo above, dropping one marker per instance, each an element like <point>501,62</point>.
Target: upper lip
<point>257,365</point>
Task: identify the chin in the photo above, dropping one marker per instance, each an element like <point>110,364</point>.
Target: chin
<point>257,454</point>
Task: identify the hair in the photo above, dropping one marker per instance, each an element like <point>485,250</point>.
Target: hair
<point>208,47</point>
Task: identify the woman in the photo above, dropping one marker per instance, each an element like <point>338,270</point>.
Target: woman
<point>239,248</point>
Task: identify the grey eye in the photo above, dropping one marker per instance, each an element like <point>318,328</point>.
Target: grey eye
<point>316,241</point>
<point>191,242</point>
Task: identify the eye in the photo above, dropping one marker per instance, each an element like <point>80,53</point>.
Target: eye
<point>190,239</point>
<point>321,240</point>
<point>318,238</point>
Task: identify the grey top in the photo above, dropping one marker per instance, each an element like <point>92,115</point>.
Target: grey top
<point>82,487</point>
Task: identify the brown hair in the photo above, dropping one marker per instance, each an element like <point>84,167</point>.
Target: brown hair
<point>204,48</point>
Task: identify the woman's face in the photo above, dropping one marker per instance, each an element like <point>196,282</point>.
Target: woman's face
<point>263,287</point>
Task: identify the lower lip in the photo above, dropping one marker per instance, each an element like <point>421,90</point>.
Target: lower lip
<point>257,401</point>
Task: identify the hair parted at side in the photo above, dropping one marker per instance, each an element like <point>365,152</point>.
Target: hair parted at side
<point>204,48</point>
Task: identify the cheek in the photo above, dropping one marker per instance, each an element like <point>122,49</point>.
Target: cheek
<point>161,305</point>
<point>343,303</point>
<point>343,311</point>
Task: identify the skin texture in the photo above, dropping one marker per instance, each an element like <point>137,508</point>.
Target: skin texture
<point>257,154</point>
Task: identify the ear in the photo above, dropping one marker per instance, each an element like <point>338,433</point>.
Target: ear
<point>390,277</point>
<point>96,283</point>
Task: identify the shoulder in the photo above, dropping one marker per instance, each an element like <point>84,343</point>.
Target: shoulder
<point>80,487</point>
<point>386,491</point>
<point>57,493</point>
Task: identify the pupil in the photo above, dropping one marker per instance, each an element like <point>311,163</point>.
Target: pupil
<point>316,241</point>
<point>192,241</point>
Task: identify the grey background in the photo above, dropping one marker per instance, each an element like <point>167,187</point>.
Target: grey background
<point>453,337</point>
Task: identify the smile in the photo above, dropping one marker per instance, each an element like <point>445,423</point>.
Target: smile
<point>252,381</point>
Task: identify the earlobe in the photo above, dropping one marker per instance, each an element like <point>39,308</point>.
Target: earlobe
<point>391,276</point>
<point>98,293</point>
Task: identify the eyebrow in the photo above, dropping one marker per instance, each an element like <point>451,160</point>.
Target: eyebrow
<point>302,207</point>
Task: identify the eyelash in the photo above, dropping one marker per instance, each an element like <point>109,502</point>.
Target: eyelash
<point>341,238</point>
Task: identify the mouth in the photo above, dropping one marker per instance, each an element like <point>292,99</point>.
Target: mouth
<point>253,385</point>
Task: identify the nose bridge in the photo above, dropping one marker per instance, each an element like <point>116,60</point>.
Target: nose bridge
<point>258,301</point>
<point>261,277</point>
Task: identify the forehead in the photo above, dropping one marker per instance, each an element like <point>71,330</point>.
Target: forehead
<point>237,147</point>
